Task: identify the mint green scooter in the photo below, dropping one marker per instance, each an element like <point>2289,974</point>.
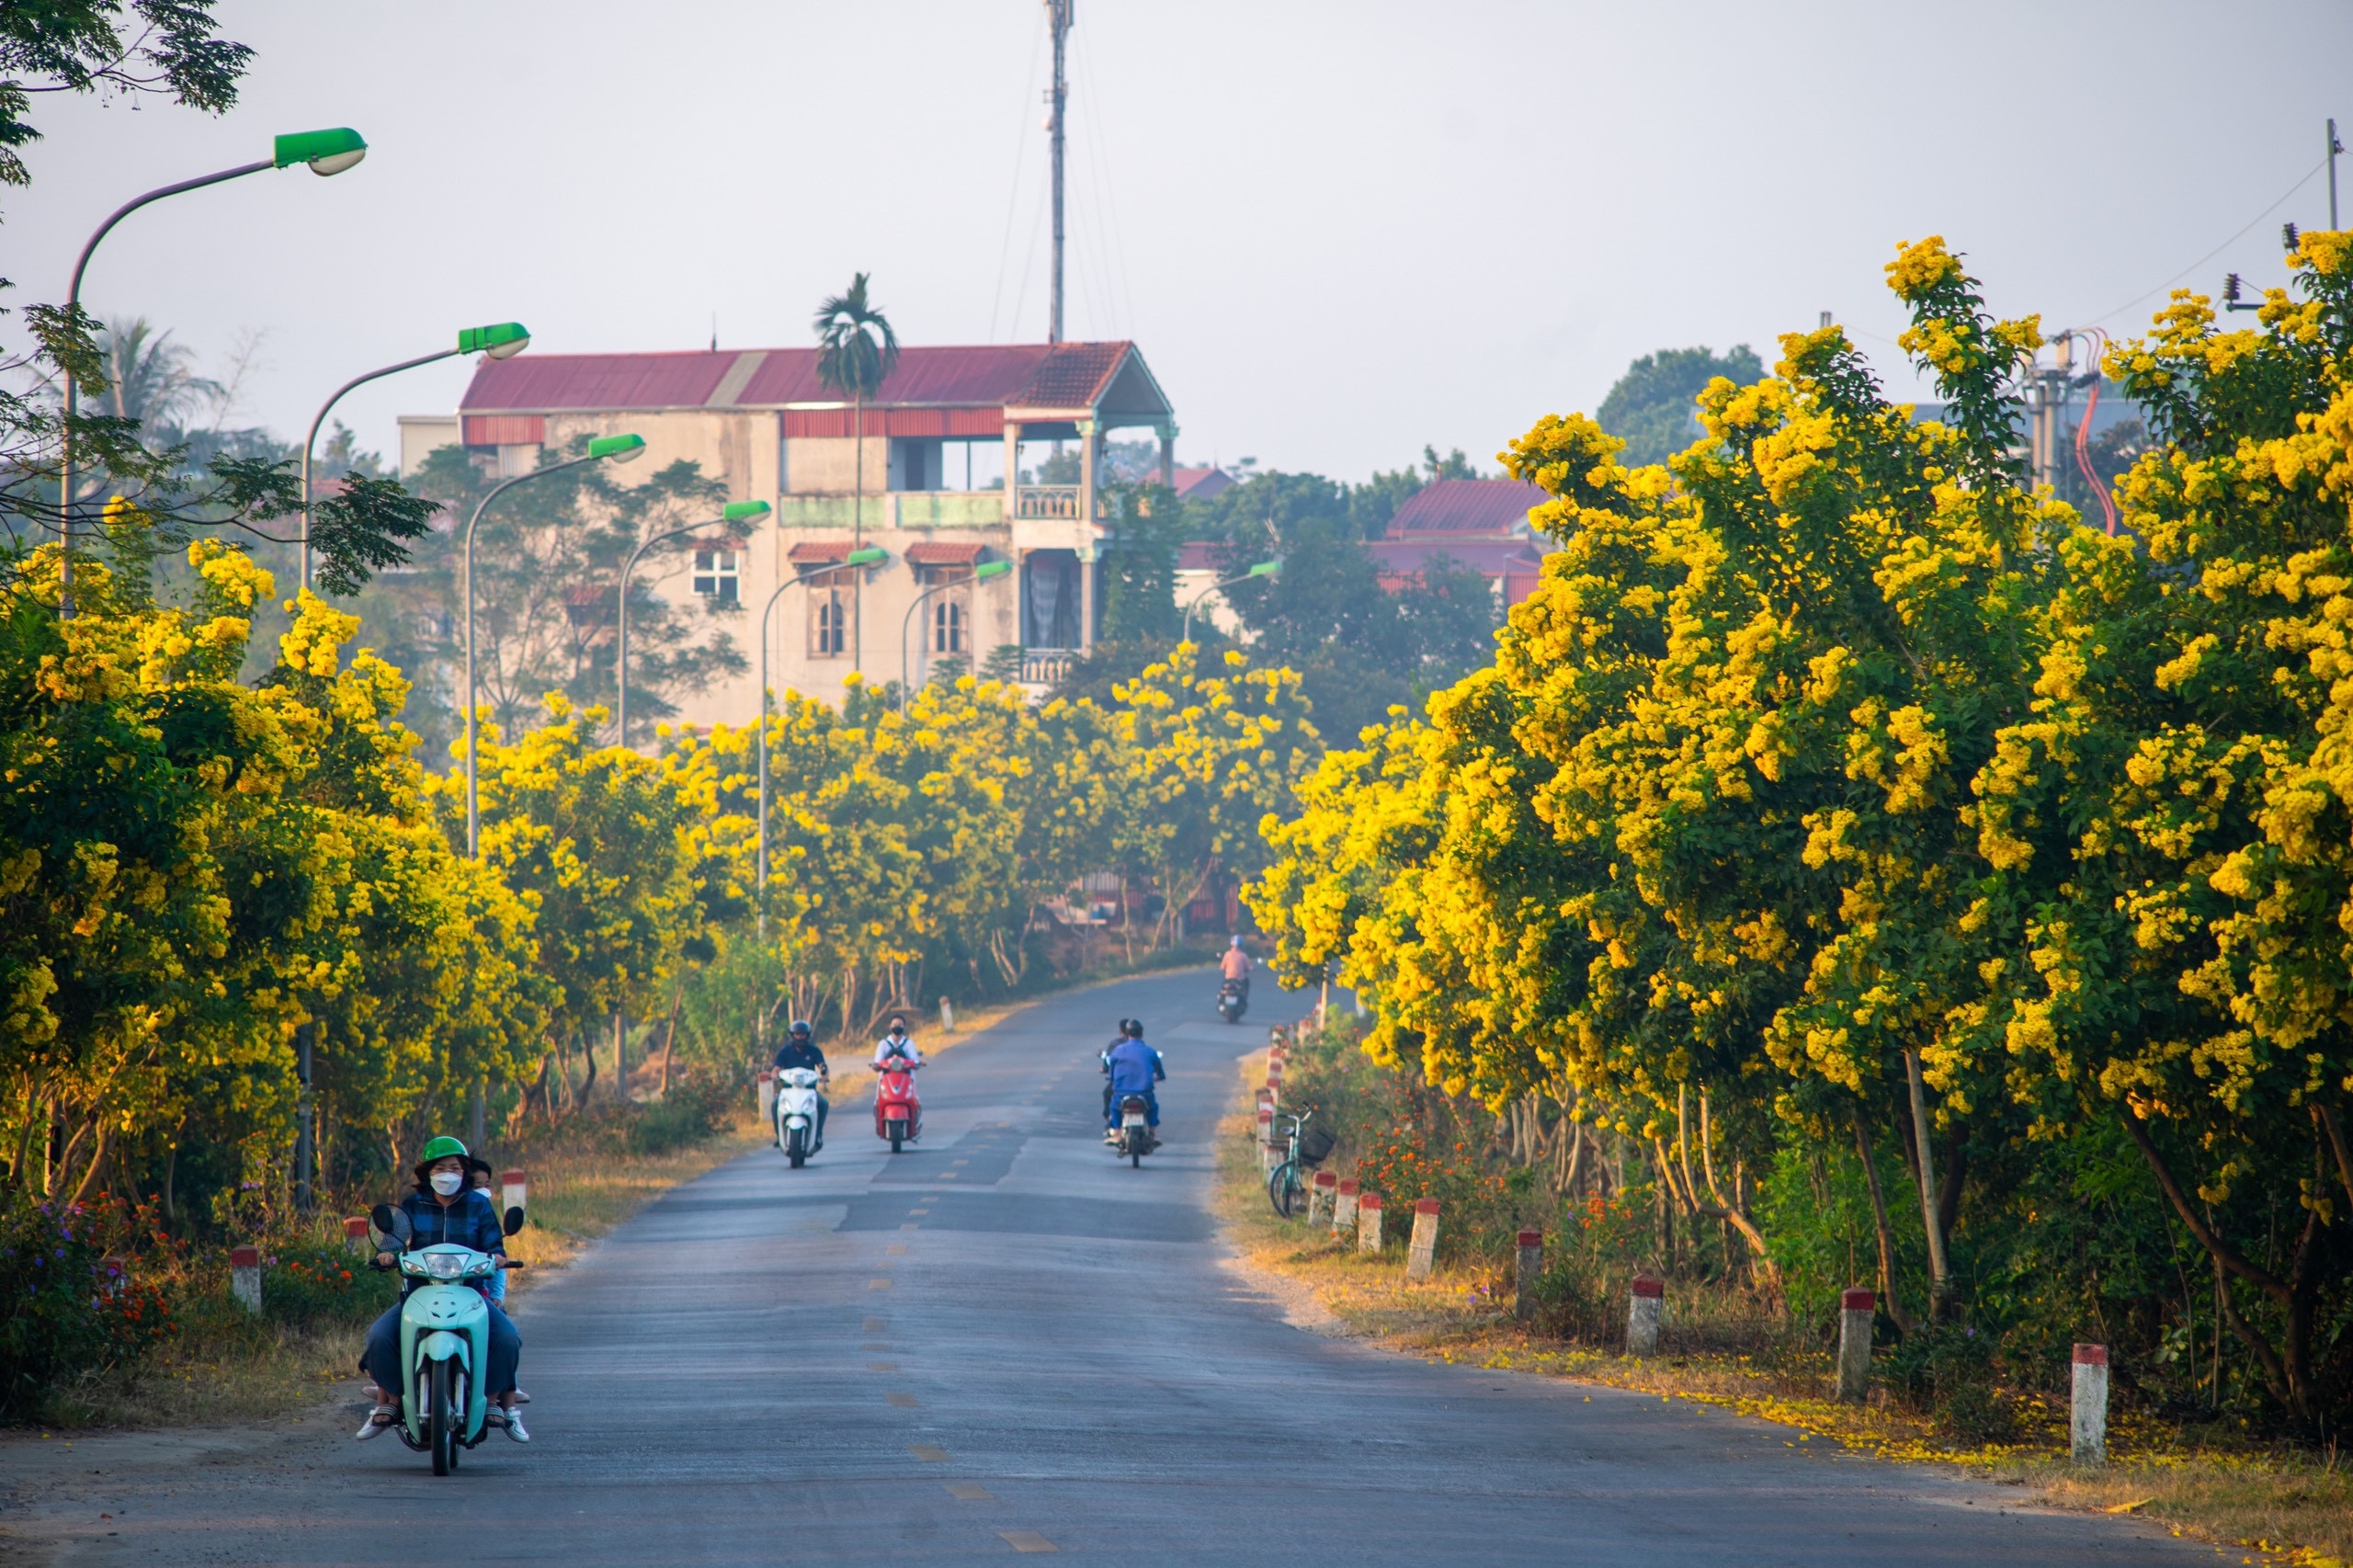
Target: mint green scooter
<point>445,1341</point>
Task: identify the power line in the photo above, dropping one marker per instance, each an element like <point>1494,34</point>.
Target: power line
<point>2218,250</point>
<point>1013,203</point>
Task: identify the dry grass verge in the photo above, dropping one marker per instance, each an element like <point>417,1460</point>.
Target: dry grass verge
<point>2272,1506</point>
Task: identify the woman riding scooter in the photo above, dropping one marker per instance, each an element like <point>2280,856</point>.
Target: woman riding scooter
<point>443,1208</point>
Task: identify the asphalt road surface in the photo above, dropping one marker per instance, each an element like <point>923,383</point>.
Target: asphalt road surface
<point>1000,1342</point>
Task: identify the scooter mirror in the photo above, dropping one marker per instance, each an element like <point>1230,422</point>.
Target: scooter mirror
<point>389,1221</point>
<point>514,1220</point>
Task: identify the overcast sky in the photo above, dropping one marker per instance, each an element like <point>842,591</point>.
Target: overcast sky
<point>1337,230</point>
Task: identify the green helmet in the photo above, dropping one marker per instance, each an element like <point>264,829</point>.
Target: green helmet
<point>441,1148</point>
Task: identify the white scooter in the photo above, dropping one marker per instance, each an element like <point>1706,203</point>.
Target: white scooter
<point>796,1113</point>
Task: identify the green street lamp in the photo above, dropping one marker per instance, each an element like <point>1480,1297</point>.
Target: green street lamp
<point>735,512</point>
<point>870,555</point>
<point>619,448</point>
<point>1264,569</point>
<point>981,574</point>
<point>503,341</point>
<point>326,152</point>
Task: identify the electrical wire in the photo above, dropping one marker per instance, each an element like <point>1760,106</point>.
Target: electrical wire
<point>2218,250</point>
<point>1013,203</point>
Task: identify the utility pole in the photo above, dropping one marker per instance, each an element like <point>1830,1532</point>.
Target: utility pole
<point>2335,147</point>
<point>1058,18</point>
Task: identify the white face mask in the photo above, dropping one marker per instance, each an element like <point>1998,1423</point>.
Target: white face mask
<point>446,1183</point>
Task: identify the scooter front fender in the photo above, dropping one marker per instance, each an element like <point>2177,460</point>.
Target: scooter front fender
<point>444,1323</point>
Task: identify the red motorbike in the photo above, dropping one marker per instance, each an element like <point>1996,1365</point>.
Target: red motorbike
<point>898,1112</point>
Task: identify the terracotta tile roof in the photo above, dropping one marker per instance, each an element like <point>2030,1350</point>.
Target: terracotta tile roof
<point>1489,506</point>
<point>812,551</point>
<point>1200,484</point>
<point>943,552</point>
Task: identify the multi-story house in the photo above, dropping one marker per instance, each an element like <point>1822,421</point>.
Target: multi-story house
<point>950,451</point>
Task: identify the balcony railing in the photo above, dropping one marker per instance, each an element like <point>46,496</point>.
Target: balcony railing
<point>1046,666</point>
<point>1047,501</point>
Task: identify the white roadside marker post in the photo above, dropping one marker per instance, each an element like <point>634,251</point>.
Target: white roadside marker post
<point>947,1016</point>
<point>1855,1311</point>
<point>513,1190</point>
<point>1422,1255</point>
<point>1369,1223</point>
<point>1266,1139</point>
<point>2087,1412</point>
<point>1321,1196</point>
<point>355,1235</point>
<point>244,1277</point>
<point>1344,1207</point>
<point>1643,1312</point>
<point>768,1096</point>
<point>1528,1268</point>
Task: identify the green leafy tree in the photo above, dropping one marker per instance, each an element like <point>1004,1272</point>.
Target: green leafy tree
<point>1653,406</point>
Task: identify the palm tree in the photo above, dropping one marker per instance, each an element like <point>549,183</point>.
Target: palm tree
<point>856,351</point>
<point>150,378</point>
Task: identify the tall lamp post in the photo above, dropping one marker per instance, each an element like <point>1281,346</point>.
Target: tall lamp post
<point>981,574</point>
<point>619,449</point>
<point>1264,569</point>
<point>735,512</point>
<point>871,555</point>
<point>504,341</point>
<point>326,152</point>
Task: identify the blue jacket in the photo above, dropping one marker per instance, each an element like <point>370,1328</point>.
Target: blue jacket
<point>1135,1067</point>
<point>471,1221</point>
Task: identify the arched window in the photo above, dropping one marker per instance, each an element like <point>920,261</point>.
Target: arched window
<point>947,624</point>
<point>828,623</point>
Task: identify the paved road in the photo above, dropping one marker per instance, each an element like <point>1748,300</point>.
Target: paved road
<point>1004,1342</point>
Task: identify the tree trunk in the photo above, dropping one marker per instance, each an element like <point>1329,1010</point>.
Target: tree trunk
<point>670,1035</point>
<point>2287,1371</point>
<point>1879,1215</point>
<point>1931,1211</point>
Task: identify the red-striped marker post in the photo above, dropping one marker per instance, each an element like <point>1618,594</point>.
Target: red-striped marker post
<point>1321,1195</point>
<point>513,1190</point>
<point>1642,1313</point>
<point>1369,1223</point>
<point>2087,1410</point>
<point>1856,1309</point>
<point>1266,1137</point>
<point>1422,1255</point>
<point>355,1235</point>
<point>1529,1268</point>
<point>244,1277</point>
<point>1344,1207</point>
<point>768,1096</point>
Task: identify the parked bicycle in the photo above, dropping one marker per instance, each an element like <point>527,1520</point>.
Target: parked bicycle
<point>1306,1149</point>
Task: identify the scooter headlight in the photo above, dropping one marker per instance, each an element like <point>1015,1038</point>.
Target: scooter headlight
<point>446,1265</point>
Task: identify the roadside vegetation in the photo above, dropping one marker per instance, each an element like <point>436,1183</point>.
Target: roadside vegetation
<point>1853,870</point>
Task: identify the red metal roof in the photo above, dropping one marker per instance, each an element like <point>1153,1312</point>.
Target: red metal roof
<point>941,553</point>
<point>1200,484</point>
<point>1457,506</point>
<point>1024,375</point>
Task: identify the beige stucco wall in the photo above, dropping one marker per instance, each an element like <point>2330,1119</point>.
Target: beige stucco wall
<point>742,450</point>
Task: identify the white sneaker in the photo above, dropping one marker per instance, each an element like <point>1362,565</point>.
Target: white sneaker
<point>372,1428</point>
<point>512,1420</point>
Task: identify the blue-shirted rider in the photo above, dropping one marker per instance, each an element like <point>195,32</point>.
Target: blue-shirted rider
<point>799,1050</point>
<point>443,1208</point>
<point>1134,1067</point>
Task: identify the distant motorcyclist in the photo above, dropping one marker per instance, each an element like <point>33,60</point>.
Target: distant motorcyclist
<point>1235,966</point>
<point>799,1050</point>
<point>443,1209</point>
<point>1118,1035</point>
<point>894,1042</point>
<point>1135,1067</point>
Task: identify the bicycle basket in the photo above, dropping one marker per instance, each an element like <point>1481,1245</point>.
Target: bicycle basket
<point>1316,1145</point>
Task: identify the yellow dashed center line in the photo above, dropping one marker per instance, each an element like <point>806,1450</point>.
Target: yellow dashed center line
<point>877,1284</point>
<point>970,1493</point>
<point>896,1248</point>
<point>882,1365</point>
<point>927,1453</point>
<point>903,1401</point>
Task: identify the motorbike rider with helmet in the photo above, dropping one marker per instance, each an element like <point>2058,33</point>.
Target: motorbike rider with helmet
<point>895,1044</point>
<point>799,1050</point>
<point>1104,1055</point>
<point>1134,1067</point>
<point>1235,966</point>
<point>444,1209</point>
